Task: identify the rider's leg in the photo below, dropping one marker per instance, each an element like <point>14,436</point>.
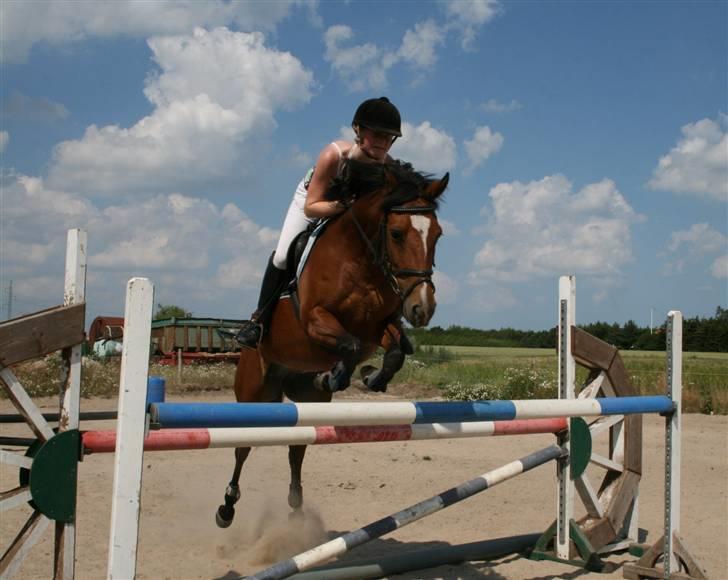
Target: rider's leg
<point>275,273</point>
<point>273,282</point>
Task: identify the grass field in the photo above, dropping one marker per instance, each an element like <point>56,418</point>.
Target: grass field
<point>459,372</point>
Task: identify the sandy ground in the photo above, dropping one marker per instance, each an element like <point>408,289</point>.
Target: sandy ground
<point>346,487</point>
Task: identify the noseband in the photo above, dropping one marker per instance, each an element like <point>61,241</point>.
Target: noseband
<point>380,253</point>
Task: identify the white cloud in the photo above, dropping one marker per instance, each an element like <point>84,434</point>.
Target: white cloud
<point>483,144</point>
<point>686,246</point>
<point>446,289</point>
<point>24,107</point>
<point>698,164</point>
<point>544,228</point>
<point>719,268</point>
<point>468,16</point>
<point>4,140</point>
<point>426,148</point>
<point>366,66</point>
<point>360,67</point>
<point>448,228</point>
<point>699,239</point>
<point>62,22</point>
<point>418,45</point>
<point>216,91</point>
<point>187,245</point>
<point>493,106</point>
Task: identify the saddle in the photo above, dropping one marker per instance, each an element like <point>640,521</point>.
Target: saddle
<point>298,253</point>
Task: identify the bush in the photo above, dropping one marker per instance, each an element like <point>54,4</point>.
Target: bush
<point>514,383</point>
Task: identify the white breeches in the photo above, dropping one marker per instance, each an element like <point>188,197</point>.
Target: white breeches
<point>295,222</point>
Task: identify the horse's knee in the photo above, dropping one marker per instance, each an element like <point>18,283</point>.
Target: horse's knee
<point>349,347</point>
<point>393,361</point>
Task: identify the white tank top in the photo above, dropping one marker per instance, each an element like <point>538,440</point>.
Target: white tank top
<point>340,167</point>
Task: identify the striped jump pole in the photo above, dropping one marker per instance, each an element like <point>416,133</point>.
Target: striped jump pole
<point>190,415</point>
<point>376,529</point>
<point>186,439</point>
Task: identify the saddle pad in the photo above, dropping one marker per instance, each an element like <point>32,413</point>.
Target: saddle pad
<point>315,234</point>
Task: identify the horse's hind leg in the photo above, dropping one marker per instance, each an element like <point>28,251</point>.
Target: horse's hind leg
<point>296,454</point>
<point>226,513</point>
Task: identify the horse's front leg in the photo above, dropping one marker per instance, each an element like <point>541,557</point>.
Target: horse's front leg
<point>226,512</point>
<point>323,328</point>
<point>394,355</point>
<point>295,460</point>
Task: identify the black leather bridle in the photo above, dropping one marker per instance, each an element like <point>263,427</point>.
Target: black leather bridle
<point>380,252</point>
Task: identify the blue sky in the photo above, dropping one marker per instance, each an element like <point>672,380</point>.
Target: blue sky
<point>585,138</point>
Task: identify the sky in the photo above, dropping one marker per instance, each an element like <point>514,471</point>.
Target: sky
<point>585,138</point>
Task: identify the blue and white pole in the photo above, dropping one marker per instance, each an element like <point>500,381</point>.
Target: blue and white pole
<point>346,542</point>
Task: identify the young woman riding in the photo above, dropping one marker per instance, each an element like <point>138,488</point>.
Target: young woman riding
<point>377,124</point>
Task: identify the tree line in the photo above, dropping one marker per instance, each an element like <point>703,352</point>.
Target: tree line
<point>699,335</point>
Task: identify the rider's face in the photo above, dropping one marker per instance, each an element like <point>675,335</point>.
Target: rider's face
<point>374,143</point>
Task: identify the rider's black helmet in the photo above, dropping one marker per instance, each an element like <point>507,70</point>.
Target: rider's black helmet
<point>379,115</point>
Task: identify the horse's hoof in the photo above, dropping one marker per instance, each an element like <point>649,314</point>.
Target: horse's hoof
<point>322,383</point>
<point>224,516</point>
<point>295,498</point>
<point>366,371</point>
<point>374,379</point>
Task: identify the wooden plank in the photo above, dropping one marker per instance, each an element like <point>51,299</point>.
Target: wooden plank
<point>25,406</point>
<point>591,352</point>
<point>604,423</point>
<point>589,497</point>
<point>620,379</point>
<point>605,462</point>
<point>599,532</point>
<point>633,443</point>
<point>9,458</point>
<point>128,458</point>
<point>41,333</point>
<point>19,549</point>
<point>14,497</point>
<point>593,384</point>
<point>648,565</point>
<point>64,554</point>
<point>622,500</point>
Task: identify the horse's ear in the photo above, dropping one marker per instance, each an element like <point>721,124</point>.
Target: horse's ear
<point>436,187</point>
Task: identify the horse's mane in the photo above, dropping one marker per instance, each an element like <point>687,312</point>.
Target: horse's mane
<point>359,179</point>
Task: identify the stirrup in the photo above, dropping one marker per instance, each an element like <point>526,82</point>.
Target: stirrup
<point>249,335</point>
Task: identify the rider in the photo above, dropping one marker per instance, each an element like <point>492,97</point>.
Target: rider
<point>376,124</point>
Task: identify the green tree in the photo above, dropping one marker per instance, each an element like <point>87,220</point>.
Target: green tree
<point>170,311</point>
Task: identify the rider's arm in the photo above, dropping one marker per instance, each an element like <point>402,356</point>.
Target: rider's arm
<point>326,168</point>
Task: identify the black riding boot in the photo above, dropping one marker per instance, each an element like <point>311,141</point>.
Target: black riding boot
<point>274,281</point>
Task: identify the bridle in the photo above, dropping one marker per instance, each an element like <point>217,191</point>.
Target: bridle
<point>380,252</point>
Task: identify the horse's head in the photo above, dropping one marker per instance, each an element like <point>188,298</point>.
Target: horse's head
<point>395,211</point>
<point>408,235</point>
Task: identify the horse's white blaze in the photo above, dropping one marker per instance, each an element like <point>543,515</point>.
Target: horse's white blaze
<point>422,224</point>
<point>423,297</point>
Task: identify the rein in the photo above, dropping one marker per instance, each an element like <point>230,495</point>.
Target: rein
<point>381,257</point>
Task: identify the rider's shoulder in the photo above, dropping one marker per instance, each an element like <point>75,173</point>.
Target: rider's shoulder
<point>332,152</point>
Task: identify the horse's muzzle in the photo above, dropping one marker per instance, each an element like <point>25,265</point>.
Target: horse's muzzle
<point>419,306</point>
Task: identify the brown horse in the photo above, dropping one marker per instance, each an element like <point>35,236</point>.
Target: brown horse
<point>371,266</point>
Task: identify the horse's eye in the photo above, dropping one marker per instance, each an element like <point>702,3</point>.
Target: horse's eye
<point>397,236</point>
